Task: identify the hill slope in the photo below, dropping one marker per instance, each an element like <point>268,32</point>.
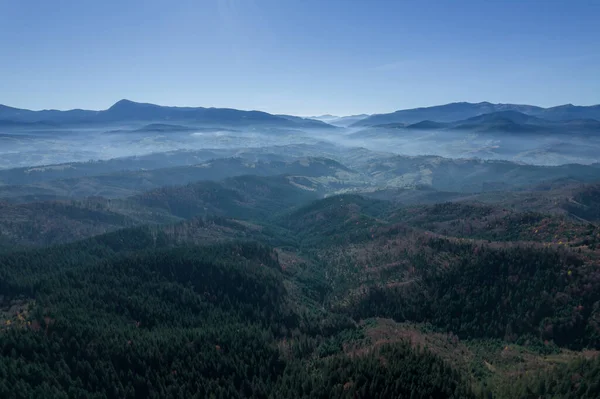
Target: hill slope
<point>492,293</point>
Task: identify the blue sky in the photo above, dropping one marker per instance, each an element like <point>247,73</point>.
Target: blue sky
<point>302,57</point>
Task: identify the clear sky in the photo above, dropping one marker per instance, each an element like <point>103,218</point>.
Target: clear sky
<point>298,56</point>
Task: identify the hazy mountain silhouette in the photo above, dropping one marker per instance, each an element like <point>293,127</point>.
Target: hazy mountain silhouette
<point>347,120</point>
<point>464,110</point>
<point>502,122</point>
<point>570,112</point>
<point>129,111</point>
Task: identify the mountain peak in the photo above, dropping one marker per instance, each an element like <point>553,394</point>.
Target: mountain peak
<point>124,103</point>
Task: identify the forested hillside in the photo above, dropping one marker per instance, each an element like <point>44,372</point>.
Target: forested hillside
<point>252,287</point>
<point>132,315</point>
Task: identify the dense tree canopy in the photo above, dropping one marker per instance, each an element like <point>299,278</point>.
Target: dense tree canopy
<point>208,308</point>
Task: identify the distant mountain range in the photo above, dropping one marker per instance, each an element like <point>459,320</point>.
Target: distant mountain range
<point>306,122</point>
<point>463,110</point>
<point>476,117</point>
<point>517,122</point>
<point>129,111</point>
<point>342,121</point>
<point>324,118</point>
<point>495,122</point>
<point>346,121</point>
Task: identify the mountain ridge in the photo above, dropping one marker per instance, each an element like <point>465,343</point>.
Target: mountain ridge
<point>509,121</point>
<point>127,111</point>
<point>453,112</point>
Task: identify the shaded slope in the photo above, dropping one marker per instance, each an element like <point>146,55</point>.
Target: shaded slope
<point>244,197</point>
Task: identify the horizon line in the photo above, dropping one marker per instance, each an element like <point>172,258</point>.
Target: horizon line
<point>293,114</point>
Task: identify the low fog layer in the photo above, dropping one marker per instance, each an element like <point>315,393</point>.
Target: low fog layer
<point>30,147</point>
<point>44,147</point>
<point>536,149</point>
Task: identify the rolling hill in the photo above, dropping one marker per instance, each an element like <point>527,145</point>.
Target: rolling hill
<point>321,171</point>
<point>243,197</point>
<point>370,172</point>
<point>344,293</point>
